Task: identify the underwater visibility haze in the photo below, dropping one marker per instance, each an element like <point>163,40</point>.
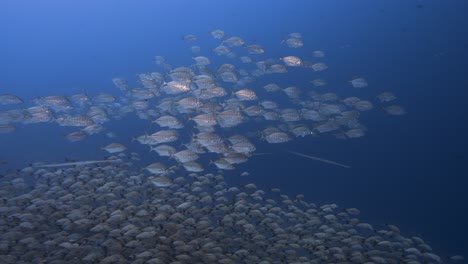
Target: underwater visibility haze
<point>233,131</point>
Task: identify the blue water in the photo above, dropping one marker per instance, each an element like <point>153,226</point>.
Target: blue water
<point>408,170</point>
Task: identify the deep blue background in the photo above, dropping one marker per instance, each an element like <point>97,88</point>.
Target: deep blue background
<point>409,170</point>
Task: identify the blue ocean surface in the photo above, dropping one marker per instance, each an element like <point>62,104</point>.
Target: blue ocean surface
<point>406,170</point>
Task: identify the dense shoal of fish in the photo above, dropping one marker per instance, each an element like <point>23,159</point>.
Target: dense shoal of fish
<point>113,213</point>
<point>174,210</point>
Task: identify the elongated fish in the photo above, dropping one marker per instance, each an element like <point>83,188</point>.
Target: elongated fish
<point>77,163</point>
<point>318,159</point>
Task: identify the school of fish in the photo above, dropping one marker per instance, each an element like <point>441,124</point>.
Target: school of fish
<point>179,209</point>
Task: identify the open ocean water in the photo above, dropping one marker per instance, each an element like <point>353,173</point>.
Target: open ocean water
<point>376,119</point>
